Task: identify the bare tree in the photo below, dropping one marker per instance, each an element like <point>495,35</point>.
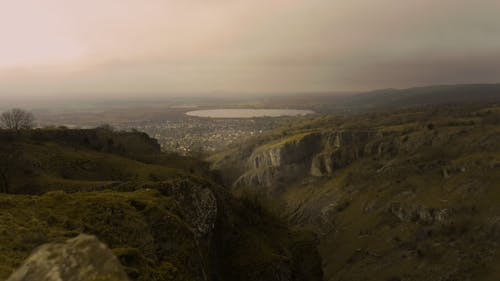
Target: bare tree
<point>17,119</point>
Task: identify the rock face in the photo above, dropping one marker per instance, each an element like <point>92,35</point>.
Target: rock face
<point>199,204</point>
<point>416,213</point>
<point>340,149</point>
<point>292,151</point>
<point>288,159</point>
<point>309,154</point>
<point>83,258</point>
<point>197,200</point>
<point>294,158</point>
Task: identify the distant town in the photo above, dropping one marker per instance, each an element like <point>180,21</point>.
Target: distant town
<point>203,135</point>
<point>174,130</point>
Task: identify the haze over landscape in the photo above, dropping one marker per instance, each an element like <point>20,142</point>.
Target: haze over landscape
<point>127,48</point>
<point>245,140</point>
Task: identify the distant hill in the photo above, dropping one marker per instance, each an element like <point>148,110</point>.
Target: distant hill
<point>429,95</point>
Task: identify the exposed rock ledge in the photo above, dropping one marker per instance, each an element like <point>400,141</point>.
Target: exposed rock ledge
<point>417,213</point>
<point>313,153</point>
<point>83,258</point>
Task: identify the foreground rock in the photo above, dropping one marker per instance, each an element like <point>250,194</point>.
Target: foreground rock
<point>82,258</point>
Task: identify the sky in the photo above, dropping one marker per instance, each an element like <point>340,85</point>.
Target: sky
<point>118,48</point>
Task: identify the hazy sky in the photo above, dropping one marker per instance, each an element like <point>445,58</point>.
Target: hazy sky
<point>151,47</point>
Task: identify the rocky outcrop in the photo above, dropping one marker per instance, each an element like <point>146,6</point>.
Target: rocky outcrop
<point>315,154</point>
<point>198,202</point>
<point>328,162</point>
<point>292,150</point>
<point>287,159</point>
<point>265,176</point>
<point>417,213</point>
<point>341,149</point>
<point>82,258</point>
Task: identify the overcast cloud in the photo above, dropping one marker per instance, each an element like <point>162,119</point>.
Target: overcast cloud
<point>153,47</point>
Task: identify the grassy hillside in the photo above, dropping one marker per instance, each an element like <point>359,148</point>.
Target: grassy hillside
<point>417,200</point>
<point>28,221</point>
<point>76,160</point>
<point>163,215</point>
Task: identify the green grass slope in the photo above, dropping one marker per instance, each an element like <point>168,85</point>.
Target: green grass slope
<point>28,221</point>
<point>76,160</point>
<point>420,203</point>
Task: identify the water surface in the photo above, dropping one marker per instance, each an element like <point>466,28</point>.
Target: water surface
<point>248,113</point>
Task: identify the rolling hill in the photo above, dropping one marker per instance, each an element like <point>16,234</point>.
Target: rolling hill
<point>405,98</point>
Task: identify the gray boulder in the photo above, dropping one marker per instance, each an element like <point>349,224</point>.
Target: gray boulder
<point>83,258</point>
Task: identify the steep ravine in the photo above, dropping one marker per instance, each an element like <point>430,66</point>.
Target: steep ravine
<point>163,216</point>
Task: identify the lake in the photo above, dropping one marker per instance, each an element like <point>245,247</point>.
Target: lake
<point>248,113</point>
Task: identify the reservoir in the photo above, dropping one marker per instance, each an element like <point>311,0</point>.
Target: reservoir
<point>247,113</point>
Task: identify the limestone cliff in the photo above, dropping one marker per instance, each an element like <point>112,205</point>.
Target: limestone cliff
<point>297,156</point>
